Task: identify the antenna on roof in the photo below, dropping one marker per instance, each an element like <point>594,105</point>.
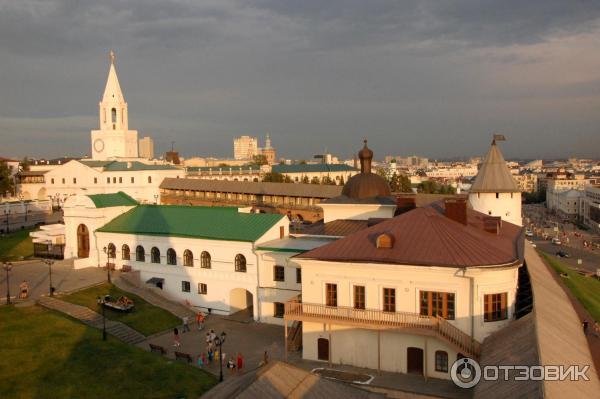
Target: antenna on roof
<point>498,137</point>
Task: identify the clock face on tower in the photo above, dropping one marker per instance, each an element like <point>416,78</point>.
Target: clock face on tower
<point>98,145</point>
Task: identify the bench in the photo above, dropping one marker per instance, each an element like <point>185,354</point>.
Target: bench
<point>183,357</point>
<point>158,349</point>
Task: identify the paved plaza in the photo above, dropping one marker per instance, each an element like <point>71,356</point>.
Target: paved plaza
<point>64,278</point>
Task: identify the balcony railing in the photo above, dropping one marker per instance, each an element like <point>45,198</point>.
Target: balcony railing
<point>377,319</point>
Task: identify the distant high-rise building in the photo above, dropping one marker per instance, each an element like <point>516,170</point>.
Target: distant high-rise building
<point>146,148</point>
<point>245,147</point>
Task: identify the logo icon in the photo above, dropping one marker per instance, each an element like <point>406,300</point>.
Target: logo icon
<point>465,372</point>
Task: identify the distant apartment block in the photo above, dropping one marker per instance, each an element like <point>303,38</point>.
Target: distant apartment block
<point>245,147</point>
<point>146,148</point>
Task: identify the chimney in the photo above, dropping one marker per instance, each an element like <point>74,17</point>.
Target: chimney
<point>492,224</point>
<point>404,204</point>
<point>456,209</point>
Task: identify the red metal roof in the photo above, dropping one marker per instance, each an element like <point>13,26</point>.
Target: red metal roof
<point>425,236</point>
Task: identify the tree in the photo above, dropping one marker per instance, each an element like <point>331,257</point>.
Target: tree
<point>315,180</point>
<point>303,162</point>
<point>25,164</point>
<point>274,177</point>
<point>305,180</point>
<point>6,180</point>
<point>342,181</point>
<point>259,160</point>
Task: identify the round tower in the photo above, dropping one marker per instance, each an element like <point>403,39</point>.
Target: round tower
<point>494,191</point>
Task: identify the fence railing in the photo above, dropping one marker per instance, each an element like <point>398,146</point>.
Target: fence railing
<point>380,319</point>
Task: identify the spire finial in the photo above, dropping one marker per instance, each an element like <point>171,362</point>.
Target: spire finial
<point>112,57</point>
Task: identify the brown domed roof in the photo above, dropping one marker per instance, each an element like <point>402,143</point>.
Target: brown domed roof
<point>366,184</point>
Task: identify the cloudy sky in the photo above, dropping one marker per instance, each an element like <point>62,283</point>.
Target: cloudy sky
<point>432,78</point>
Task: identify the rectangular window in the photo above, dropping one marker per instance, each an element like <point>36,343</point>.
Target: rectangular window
<point>278,273</point>
<point>52,180</point>
<point>298,275</point>
<point>108,180</point>
<point>331,294</point>
<point>63,180</point>
<point>95,180</point>
<point>74,180</point>
<point>437,304</point>
<point>278,309</point>
<point>133,179</point>
<point>389,299</point>
<point>359,297</point>
<point>202,289</point>
<point>120,180</point>
<point>114,179</point>
<point>149,179</point>
<point>185,286</point>
<point>494,307</point>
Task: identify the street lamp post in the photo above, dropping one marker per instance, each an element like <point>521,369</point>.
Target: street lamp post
<point>107,252</point>
<point>101,301</point>
<point>49,261</point>
<point>6,213</point>
<point>219,341</point>
<point>7,267</point>
<point>155,199</point>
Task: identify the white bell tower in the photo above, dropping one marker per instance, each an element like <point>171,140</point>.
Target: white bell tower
<point>114,139</point>
<point>494,191</point>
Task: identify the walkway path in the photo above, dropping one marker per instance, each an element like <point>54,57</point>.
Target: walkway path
<point>153,298</point>
<point>93,319</point>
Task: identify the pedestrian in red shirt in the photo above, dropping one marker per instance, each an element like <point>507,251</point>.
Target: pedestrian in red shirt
<point>240,362</point>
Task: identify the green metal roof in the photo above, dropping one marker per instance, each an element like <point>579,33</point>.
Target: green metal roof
<point>213,223</point>
<point>312,168</point>
<point>121,166</point>
<point>254,168</point>
<point>114,199</point>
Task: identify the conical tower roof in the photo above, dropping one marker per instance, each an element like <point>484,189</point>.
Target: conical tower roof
<point>112,92</point>
<point>494,175</point>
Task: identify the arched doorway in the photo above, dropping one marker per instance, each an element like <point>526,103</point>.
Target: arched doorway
<point>41,195</point>
<point>414,361</point>
<point>241,301</point>
<point>323,349</point>
<point>83,241</point>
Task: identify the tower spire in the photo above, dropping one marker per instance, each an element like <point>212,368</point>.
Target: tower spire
<point>113,108</point>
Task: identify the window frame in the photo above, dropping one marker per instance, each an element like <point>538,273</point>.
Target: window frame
<point>281,307</point>
<point>331,295</point>
<point>202,289</point>
<point>155,255</point>
<point>441,364</point>
<point>125,252</point>
<point>140,256</point>
<point>171,257</point>
<point>437,303</point>
<point>359,298</point>
<point>186,286</point>
<point>389,299</point>
<point>240,263</point>
<point>278,273</point>
<point>495,307</point>
<point>188,258</point>
<point>205,260</point>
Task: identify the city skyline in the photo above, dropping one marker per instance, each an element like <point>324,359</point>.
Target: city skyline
<point>426,79</point>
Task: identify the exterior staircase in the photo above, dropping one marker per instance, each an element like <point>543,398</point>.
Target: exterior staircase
<point>93,319</point>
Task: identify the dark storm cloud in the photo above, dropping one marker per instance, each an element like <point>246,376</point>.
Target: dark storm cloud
<point>427,77</point>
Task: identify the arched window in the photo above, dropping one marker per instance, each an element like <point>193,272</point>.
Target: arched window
<point>240,263</point>
<point>113,115</point>
<point>205,260</point>
<point>441,361</point>
<point>171,257</point>
<point>154,255</point>
<point>112,251</point>
<point>125,252</point>
<point>188,258</point>
<point>140,254</point>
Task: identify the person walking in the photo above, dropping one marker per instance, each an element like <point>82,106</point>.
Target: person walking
<point>231,365</point>
<point>186,326</point>
<point>176,341</point>
<point>200,320</point>
<point>240,362</point>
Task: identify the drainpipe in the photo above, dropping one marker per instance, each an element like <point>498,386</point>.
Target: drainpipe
<point>258,309</point>
<point>97,250</point>
<point>471,300</point>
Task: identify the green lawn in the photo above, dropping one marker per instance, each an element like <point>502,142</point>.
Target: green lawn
<point>145,318</point>
<point>47,355</point>
<point>16,246</point>
<point>585,289</point>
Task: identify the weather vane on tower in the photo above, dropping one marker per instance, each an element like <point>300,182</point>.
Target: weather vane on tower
<point>112,57</point>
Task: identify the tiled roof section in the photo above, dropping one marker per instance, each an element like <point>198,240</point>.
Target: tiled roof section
<point>33,172</point>
<point>258,188</point>
<point>213,223</point>
<point>425,236</point>
<point>494,175</point>
<point>122,166</point>
<point>114,199</point>
<point>312,168</point>
<point>2,159</point>
<point>336,228</point>
<point>224,169</point>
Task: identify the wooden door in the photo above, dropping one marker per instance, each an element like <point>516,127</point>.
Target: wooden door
<point>323,349</point>
<point>414,361</point>
<point>83,241</point>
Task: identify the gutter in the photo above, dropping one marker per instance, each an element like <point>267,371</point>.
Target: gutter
<point>471,300</point>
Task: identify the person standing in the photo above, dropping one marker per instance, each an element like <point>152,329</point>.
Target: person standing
<point>240,362</point>
<point>176,341</point>
<point>186,321</point>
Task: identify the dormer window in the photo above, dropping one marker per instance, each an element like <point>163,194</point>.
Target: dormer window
<point>384,241</point>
